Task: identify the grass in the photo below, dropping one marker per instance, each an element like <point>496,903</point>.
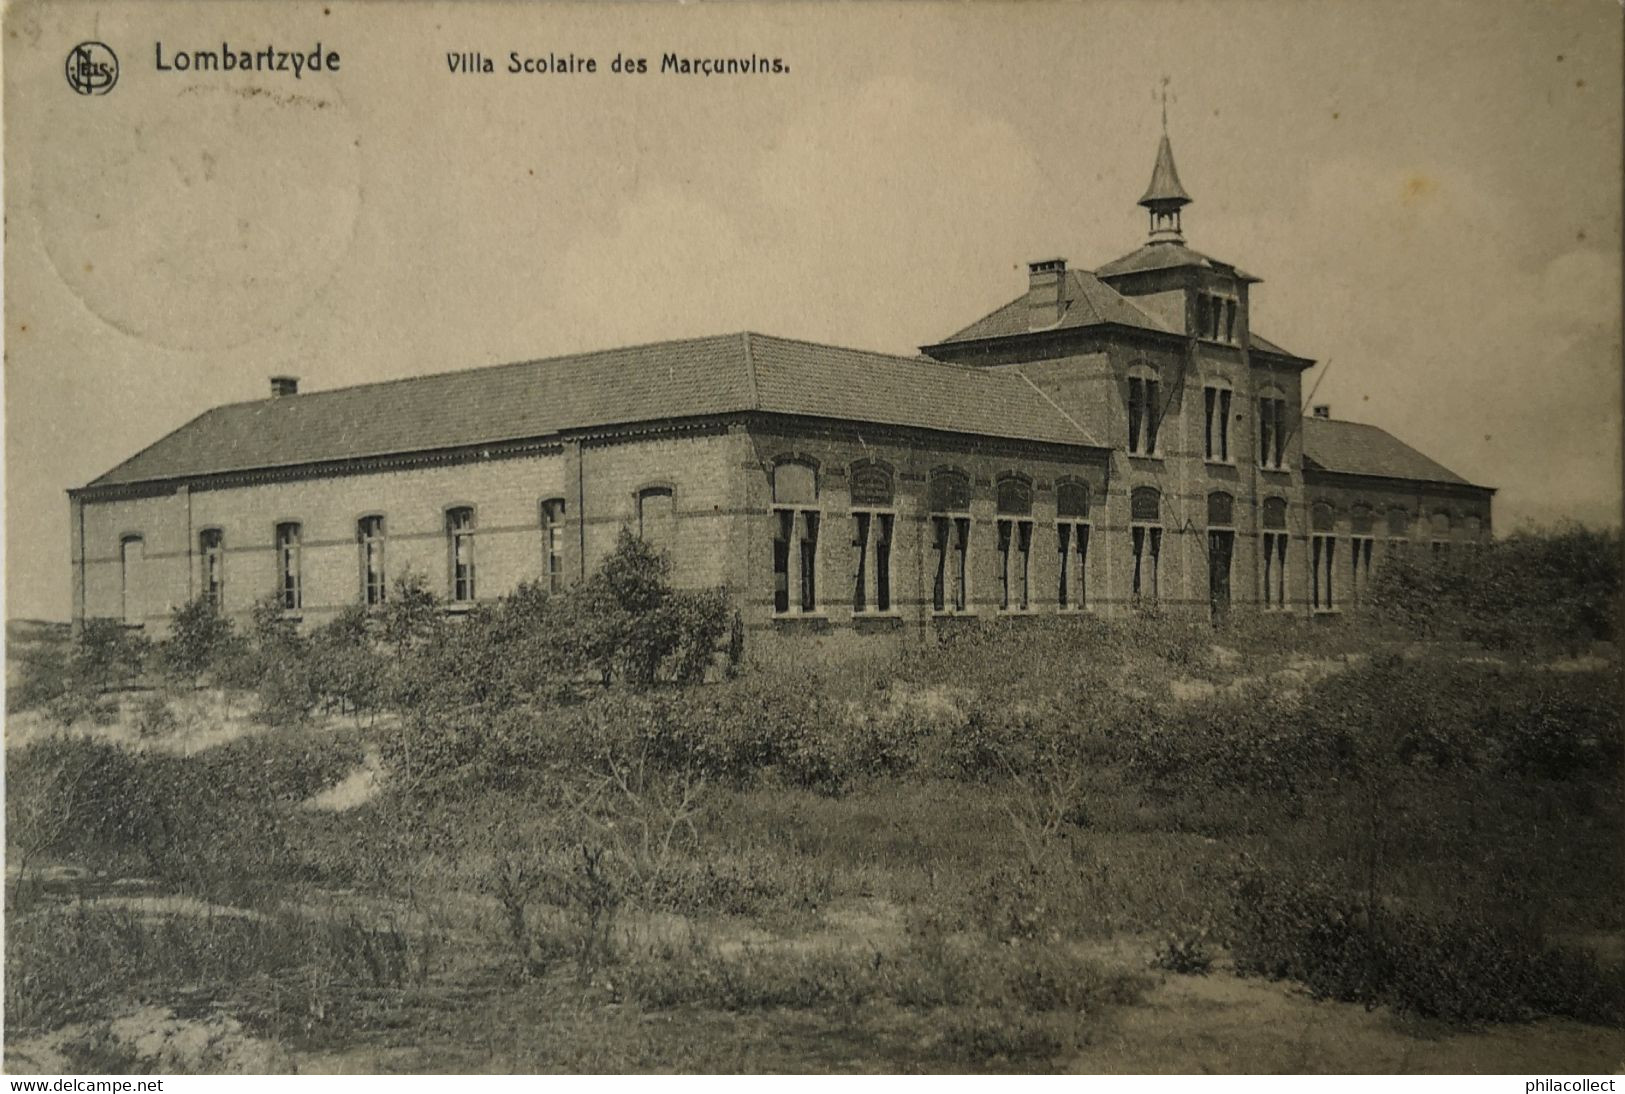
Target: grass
<point>1029,860</point>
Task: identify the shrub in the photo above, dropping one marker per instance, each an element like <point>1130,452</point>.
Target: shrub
<point>1459,968</point>
<point>198,636</point>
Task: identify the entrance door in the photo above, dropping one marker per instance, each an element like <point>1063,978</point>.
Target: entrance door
<point>1220,546</point>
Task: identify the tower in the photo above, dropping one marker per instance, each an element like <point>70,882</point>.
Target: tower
<point>1165,197</point>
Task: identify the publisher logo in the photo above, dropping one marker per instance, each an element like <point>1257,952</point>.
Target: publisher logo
<point>92,68</point>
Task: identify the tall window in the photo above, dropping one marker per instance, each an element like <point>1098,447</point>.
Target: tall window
<point>1272,541</point>
<point>1015,524</point>
<point>873,519</point>
<point>1322,557</point>
<point>657,517</point>
<point>1216,317</point>
<point>796,519</point>
<point>1271,431</point>
<point>131,552</point>
<point>1072,545</point>
<point>1362,542</point>
<point>211,544</point>
<point>553,543</point>
<point>1399,534</point>
<point>289,585</point>
<point>949,499</point>
<point>1144,412</point>
<point>1217,400</point>
<point>1145,536</point>
<point>1439,526</point>
<point>460,551</point>
<point>369,534</point>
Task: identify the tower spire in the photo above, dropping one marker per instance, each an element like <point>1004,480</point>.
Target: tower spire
<point>1165,197</point>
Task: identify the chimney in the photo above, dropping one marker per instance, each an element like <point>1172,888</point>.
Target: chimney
<point>1046,293</point>
<point>282,386</point>
<point>1323,410</point>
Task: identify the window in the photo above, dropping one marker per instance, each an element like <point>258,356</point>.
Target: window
<point>553,544</point>
<point>1144,412</point>
<point>870,488</point>
<point>1271,431</point>
<point>1322,557</point>
<point>1216,317</point>
<point>657,517</point>
<point>1014,498</point>
<point>1221,550</point>
<point>1272,548</point>
<point>131,553</point>
<point>369,534</point>
<point>1145,535</point>
<point>289,588</point>
<point>1399,532</point>
<point>949,498</point>
<point>211,543</point>
<point>460,548</point>
<point>1072,544</point>
<point>1361,543</point>
<point>796,519</point>
<point>1439,525</point>
<point>1217,399</point>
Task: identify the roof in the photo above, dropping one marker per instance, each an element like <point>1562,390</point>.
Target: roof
<point>1089,302</point>
<point>532,399</point>
<point>1166,255</point>
<point>1354,448</point>
<point>1258,342</point>
<point>1165,179</point>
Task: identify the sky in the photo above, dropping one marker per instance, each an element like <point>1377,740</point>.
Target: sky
<point>1430,193</point>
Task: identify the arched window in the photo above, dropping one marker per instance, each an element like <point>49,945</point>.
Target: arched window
<point>948,495</point>
<point>1144,410</point>
<point>211,546</point>
<point>1216,399</point>
<point>1362,523</point>
<point>1072,534</point>
<point>1439,526</point>
<point>1072,499</point>
<point>1322,556</point>
<point>290,579</point>
<point>1272,543</point>
<point>796,524</point>
<point>132,553</point>
<point>1145,536</point>
<point>869,486</point>
<point>460,553</point>
<point>1272,428</point>
<point>1399,529</point>
<point>1013,497</point>
<point>552,514</point>
<point>657,516</point>
<point>369,534</point>
<point>1221,509</point>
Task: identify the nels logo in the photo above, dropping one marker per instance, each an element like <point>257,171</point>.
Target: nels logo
<point>92,68</point>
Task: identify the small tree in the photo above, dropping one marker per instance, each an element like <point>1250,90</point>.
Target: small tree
<point>198,636</point>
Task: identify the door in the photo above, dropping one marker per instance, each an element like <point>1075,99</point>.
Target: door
<point>1220,546</point>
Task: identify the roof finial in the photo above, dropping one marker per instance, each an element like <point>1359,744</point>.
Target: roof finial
<point>1164,96</point>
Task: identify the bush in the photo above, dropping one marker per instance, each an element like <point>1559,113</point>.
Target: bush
<point>1537,589</point>
<point>198,636</point>
<point>1459,968</point>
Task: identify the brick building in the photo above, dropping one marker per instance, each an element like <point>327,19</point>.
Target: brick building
<point>1109,438</point>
